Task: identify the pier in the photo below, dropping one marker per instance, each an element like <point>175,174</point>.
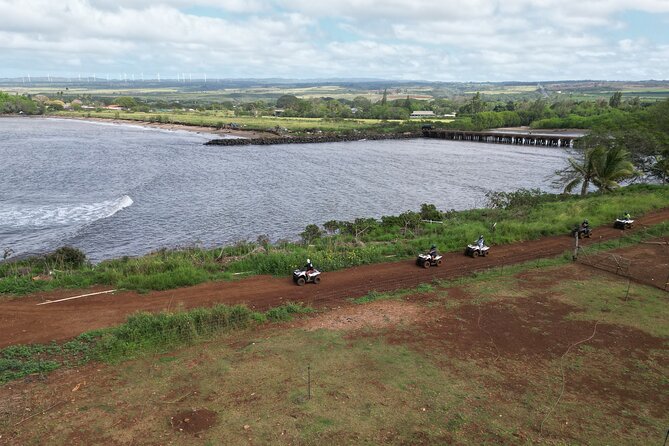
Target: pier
<point>529,138</point>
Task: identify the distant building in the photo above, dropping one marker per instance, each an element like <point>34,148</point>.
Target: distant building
<point>449,115</point>
<point>113,107</point>
<point>423,114</point>
<point>279,111</point>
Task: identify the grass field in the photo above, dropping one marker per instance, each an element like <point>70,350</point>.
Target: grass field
<point>218,119</point>
<point>552,355</point>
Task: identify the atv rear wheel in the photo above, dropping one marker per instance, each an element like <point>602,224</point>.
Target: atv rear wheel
<point>300,281</point>
<point>317,280</point>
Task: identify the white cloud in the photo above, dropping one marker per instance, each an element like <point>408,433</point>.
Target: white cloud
<point>428,39</point>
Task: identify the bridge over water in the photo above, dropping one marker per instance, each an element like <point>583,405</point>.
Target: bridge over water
<point>501,136</point>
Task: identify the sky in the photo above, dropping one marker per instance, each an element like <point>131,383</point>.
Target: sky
<point>432,40</point>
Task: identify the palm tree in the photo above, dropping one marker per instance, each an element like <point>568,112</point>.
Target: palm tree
<point>580,171</point>
<point>612,166</point>
<point>600,167</point>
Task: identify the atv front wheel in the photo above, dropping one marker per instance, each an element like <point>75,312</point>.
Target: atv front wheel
<point>438,262</point>
<point>317,280</point>
<point>475,253</point>
<point>426,264</point>
<point>300,281</point>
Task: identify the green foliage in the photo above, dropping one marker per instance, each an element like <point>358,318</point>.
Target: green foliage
<point>520,198</point>
<point>18,104</point>
<point>181,276</point>
<point>616,99</point>
<point>311,233</point>
<point>430,212</point>
<point>126,101</point>
<point>286,312</point>
<point>67,257</point>
<point>141,333</point>
<point>600,166</point>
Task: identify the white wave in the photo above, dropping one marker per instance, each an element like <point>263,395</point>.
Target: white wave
<point>61,215</point>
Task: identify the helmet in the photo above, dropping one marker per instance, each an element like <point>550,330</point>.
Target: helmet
<point>585,221</point>
<point>481,236</point>
<point>433,247</point>
<point>308,260</point>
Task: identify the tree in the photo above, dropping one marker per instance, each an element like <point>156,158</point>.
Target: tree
<point>612,167</point>
<point>430,212</point>
<point>311,233</point>
<point>126,102</point>
<point>287,101</point>
<point>477,103</point>
<point>615,99</point>
<point>384,99</point>
<point>332,226</point>
<point>598,166</point>
<point>580,171</point>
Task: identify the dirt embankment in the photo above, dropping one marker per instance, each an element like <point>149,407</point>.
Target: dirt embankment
<point>24,322</point>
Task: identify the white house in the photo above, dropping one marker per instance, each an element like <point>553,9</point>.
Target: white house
<point>423,114</point>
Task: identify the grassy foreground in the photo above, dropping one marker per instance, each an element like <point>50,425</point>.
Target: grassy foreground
<point>141,333</point>
<point>364,241</point>
<point>505,358</point>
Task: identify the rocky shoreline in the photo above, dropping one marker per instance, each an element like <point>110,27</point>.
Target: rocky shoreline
<point>306,139</point>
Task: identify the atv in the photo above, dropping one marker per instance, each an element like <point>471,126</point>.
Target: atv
<point>623,223</point>
<point>476,250</point>
<point>581,231</point>
<point>426,260</point>
<point>301,276</point>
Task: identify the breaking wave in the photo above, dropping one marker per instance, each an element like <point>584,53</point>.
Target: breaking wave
<point>61,215</point>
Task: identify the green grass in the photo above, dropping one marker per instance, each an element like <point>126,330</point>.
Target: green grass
<point>140,334</point>
<point>217,119</point>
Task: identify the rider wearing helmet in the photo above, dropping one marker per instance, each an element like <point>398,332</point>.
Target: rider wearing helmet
<point>480,242</point>
<point>309,267</point>
<point>627,215</point>
<point>433,251</point>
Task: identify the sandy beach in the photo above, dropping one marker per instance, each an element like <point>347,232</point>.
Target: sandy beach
<point>237,133</point>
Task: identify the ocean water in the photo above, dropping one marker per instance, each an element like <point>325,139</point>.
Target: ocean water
<point>114,190</point>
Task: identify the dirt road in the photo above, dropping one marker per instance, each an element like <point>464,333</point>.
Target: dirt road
<point>23,322</point>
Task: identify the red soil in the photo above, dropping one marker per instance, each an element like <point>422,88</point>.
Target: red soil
<point>23,322</point>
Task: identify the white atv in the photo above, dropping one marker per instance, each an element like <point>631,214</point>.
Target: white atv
<point>300,276</point>
<point>426,260</point>
<point>475,250</point>
<point>623,223</point>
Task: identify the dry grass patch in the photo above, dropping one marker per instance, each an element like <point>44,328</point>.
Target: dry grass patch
<point>379,314</point>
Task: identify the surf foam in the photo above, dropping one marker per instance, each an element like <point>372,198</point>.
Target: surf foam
<point>61,215</point>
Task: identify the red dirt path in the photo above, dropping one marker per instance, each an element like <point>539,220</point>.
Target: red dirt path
<point>24,323</point>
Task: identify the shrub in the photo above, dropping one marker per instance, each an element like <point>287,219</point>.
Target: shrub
<point>67,257</point>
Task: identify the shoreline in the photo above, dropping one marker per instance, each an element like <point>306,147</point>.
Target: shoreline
<point>203,130</point>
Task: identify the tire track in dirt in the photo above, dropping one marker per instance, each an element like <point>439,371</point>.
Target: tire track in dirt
<point>23,322</point>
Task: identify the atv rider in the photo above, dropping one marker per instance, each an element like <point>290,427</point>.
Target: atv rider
<point>309,267</point>
<point>627,216</point>
<point>433,251</point>
<point>480,242</point>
